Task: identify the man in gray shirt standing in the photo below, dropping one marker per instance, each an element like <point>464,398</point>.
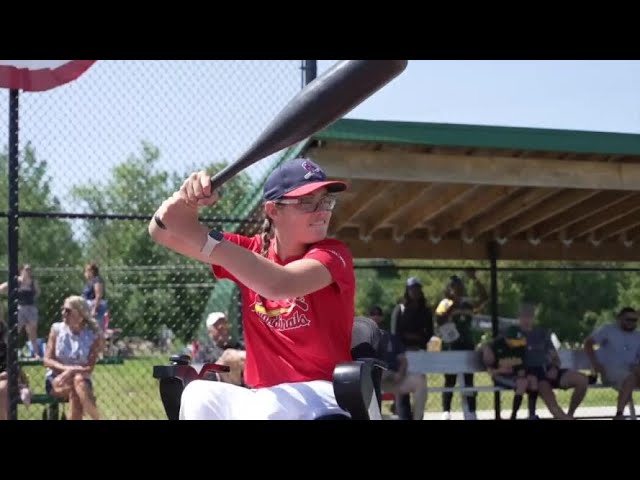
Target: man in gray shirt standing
<point>618,356</point>
<point>542,362</point>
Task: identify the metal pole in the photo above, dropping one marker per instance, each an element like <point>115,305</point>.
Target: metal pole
<point>493,260</point>
<point>310,71</point>
<point>12,240</point>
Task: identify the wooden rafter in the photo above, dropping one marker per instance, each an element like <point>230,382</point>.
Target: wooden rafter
<point>512,206</point>
<point>397,199</point>
<point>602,218</point>
<point>476,201</point>
<point>360,201</point>
<point>432,202</point>
<point>589,207</point>
<point>545,209</point>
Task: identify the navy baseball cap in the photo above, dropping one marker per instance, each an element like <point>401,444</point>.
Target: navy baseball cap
<point>298,177</point>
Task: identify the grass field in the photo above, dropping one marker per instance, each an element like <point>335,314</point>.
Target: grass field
<point>124,392</point>
<point>129,392</point>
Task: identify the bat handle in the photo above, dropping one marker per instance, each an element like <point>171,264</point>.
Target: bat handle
<point>216,182</point>
<point>224,175</point>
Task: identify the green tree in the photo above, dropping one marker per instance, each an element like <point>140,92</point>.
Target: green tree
<point>45,243</point>
<point>148,285</point>
<point>571,302</point>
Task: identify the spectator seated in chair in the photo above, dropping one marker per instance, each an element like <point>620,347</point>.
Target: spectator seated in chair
<point>72,351</point>
<point>223,349</point>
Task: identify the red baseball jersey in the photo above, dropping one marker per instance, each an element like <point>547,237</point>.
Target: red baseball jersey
<point>297,339</point>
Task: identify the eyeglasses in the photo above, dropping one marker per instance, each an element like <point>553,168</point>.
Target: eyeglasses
<point>309,205</point>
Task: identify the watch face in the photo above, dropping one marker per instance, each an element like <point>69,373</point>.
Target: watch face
<point>216,235</point>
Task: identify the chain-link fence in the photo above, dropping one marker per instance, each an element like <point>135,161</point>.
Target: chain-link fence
<point>572,302</point>
<point>97,157</point>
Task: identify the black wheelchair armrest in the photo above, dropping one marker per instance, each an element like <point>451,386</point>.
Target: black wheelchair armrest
<point>175,377</point>
<point>356,386</point>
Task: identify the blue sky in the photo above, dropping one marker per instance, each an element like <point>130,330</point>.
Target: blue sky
<point>573,95</point>
<point>202,111</point>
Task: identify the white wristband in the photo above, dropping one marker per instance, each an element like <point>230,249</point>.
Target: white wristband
<point>209,245</point>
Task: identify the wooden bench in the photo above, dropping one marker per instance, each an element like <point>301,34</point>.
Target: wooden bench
<point>461,362</point>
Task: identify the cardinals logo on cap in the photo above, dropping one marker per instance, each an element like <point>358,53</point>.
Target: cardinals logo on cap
<point>311,170</point>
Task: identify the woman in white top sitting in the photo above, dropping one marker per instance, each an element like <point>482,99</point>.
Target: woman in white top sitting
<point>70,357</point>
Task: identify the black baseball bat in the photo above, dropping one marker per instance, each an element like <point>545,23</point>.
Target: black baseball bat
<point>323,101</point>
<point>320,103</point>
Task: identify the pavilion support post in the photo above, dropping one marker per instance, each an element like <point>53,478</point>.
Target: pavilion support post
<point>493,250</point>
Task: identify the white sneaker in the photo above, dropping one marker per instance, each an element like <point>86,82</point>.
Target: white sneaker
<point>446,416</point>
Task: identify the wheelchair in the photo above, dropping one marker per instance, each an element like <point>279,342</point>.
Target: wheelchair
<point>356,384</point>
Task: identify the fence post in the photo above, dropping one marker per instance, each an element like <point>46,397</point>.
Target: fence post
<point>12,241</point>
<point>310,68</point>
<point>493,259</point>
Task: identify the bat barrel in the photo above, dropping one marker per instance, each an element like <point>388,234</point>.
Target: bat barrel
<point>323,101</point>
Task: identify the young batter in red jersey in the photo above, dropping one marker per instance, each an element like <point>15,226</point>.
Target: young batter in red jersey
<point>297,287</point>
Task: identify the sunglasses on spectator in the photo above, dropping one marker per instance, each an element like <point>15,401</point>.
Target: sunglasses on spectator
<point>309,205</point>
<point>630,319</point>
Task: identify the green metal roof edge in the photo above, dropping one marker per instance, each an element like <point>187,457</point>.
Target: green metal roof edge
<point>480,136</point>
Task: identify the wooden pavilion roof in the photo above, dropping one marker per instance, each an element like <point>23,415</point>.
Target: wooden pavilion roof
<point>443,191</point>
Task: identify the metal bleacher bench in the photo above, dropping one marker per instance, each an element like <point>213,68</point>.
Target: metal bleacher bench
<point>461,362</point>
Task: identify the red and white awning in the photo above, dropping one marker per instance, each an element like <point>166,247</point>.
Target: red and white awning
<point>39,75</point>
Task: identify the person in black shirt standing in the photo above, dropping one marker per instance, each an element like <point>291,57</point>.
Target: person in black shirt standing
<point>412,323</point>
<point>412,318</point>
<point>454,316</point>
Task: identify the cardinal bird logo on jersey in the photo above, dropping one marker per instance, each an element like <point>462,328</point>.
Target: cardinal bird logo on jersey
<point>282,314</point>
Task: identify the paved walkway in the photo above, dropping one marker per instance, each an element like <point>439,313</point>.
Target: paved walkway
<point>543,413</point>
<point>609,411</point>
